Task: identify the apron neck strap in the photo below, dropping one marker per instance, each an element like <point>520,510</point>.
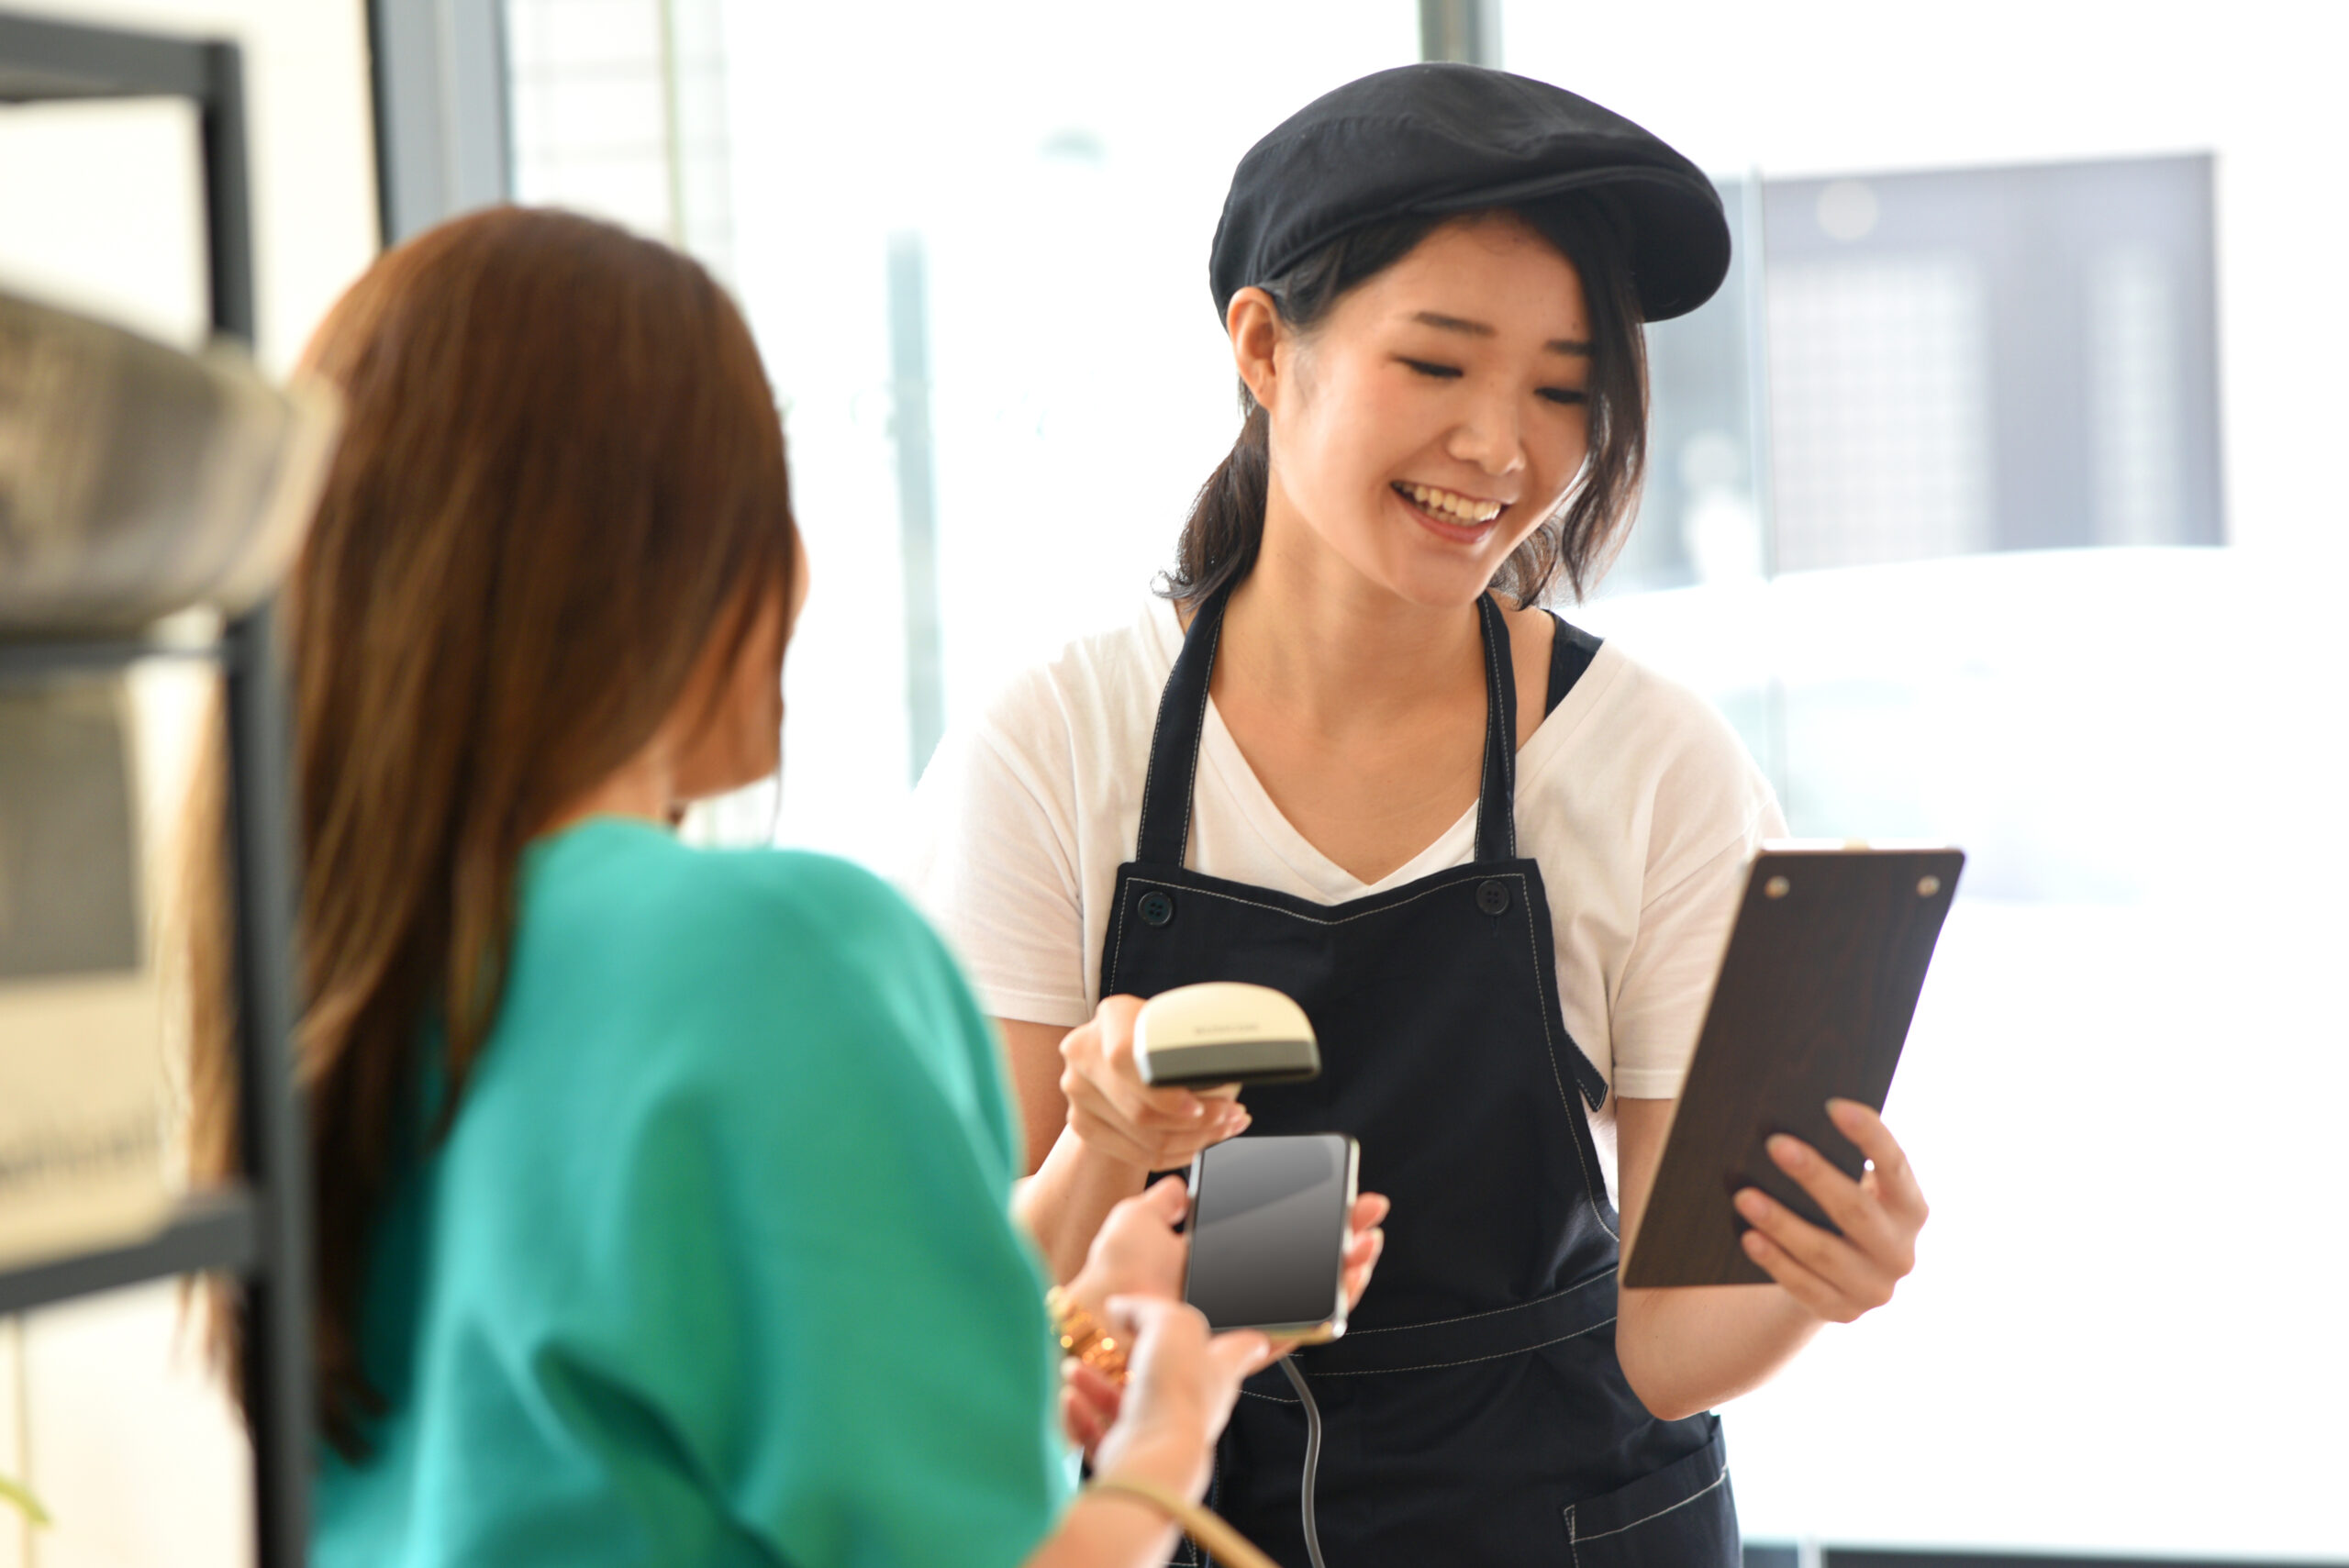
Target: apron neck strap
<point>1168,788</point>
<point>1171,783</point>
<point>1497,794</point>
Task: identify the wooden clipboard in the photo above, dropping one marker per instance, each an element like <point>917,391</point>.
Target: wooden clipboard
<point>1816,992</point>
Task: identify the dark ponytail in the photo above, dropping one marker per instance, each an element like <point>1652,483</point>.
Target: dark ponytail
<point>1226,526</point>
<point>1226,520</point>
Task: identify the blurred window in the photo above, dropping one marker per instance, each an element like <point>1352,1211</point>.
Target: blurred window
<point>618,108</point>
<point>973,243</point>
<point>1993,359</point>
<point>1956,362</point>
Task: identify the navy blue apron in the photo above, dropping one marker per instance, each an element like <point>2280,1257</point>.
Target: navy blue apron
<point>1474,1411</point>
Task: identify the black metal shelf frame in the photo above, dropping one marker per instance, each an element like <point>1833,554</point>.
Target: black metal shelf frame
<point>261,1229</point>
<point>209,1231</point>
<point>50,61</point>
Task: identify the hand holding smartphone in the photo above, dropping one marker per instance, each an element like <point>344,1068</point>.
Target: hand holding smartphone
<point>1269,1224</point>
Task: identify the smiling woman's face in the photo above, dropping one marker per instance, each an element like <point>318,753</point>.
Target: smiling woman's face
<point>1437,415</point>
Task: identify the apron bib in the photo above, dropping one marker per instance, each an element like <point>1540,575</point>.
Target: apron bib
<point>1474,1411</point>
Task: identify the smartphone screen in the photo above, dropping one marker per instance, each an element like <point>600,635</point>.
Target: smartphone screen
<point>1268,1229</point>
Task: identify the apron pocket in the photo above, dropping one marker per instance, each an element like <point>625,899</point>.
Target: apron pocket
<point>1680,1517</point>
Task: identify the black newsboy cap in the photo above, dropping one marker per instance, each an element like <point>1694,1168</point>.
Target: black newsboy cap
<point>1439,138</point>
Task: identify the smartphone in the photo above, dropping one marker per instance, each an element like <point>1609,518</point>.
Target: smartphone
<point>1269,1234</point>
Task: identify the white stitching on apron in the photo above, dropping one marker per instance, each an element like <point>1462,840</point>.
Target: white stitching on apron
<point>1669,1508</point>
<point>1469,1361</point>
<point>1464,874</point>
<point>1470,1317</point>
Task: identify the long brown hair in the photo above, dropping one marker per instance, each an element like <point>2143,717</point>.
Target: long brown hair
<point>1226,526</point>
<point>561,482</point>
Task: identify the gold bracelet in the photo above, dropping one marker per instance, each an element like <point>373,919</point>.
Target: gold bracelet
<point>1083,1337</point>
<point>1201,1523</point>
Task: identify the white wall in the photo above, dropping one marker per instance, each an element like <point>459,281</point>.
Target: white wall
<point>121,1431</point>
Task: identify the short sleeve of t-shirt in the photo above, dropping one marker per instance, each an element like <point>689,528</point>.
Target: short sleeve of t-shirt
<point>1643,809</point>
<point>997,859</point>
<point>716,1264</point>
<point>1638,802</point>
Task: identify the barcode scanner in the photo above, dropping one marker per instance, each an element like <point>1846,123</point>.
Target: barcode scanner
<point>1223,1031</point>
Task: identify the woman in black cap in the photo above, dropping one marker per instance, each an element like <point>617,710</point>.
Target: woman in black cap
<point>1495,859</point>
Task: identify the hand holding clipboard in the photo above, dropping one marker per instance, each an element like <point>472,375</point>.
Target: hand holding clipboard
<point>1758,1180</point>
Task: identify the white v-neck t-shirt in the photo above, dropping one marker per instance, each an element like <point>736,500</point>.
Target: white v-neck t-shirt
<point>1638,802</point>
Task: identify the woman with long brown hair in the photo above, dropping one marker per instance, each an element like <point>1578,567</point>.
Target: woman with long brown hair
<point>661,1195</point>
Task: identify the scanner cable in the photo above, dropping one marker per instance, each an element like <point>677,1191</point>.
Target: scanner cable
<point>1312,1456</point>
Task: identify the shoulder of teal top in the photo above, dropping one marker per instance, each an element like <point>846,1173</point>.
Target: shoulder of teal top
<point>725,1199</point>
<point>806,934</point>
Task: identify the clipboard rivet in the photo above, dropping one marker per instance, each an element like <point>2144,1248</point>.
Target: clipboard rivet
<point>1777,887</point>
<point>1928,885</point>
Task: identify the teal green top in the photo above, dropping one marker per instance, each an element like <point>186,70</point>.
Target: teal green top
<point>716,1264</point>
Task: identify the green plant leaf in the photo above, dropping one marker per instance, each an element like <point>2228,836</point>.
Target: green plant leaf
<point>14,1492</point>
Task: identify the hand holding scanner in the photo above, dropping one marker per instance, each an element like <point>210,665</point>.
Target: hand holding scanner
<point>1223,1032</point>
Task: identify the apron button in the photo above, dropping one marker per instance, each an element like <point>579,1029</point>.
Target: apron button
<point>1157,909</point>
<point>1492,897</point>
